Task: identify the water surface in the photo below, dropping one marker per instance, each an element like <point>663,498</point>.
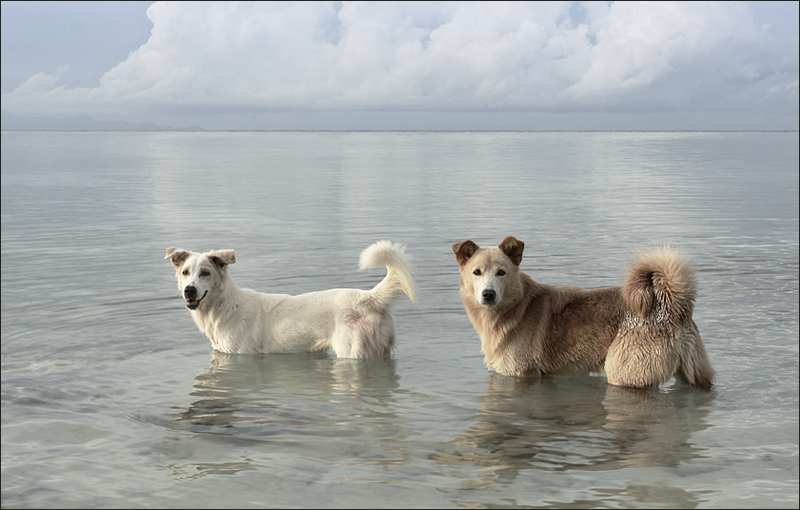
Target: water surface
<point>111,397</point>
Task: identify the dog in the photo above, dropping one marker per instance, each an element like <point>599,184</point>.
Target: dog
<point>353,323</point>
<point>641,334</point>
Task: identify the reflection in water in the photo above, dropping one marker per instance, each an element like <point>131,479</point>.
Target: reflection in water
<point>271,403</point>
<point>574,423</point>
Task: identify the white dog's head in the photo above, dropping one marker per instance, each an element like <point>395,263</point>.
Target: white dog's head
<point>201,276</point>
<point>489,273</point>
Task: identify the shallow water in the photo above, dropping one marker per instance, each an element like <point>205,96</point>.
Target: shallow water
<point>111,397</point>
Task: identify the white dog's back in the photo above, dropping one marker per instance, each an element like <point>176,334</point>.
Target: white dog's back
<point>353,323</point>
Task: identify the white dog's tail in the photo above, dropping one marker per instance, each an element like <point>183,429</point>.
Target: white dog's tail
<point>398,278</point>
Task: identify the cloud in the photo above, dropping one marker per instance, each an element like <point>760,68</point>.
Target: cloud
<point>438,56</point>
<point>41,83</point>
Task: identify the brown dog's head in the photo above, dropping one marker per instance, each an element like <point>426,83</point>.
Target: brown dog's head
<point>487,273</point>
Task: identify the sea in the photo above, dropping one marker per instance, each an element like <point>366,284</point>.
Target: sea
<point>112,398</point>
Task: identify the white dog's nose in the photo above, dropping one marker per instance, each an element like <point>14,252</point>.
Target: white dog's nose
<point>190,292</point>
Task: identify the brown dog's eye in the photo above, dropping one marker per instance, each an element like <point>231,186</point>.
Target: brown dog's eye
<point>501,273</point>
<point>477,272</point>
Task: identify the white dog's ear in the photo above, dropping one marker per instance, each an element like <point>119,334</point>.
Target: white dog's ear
<point>464,250</point>
<point>513,249</point>
<point>222,257</point>
<point>177,256</point>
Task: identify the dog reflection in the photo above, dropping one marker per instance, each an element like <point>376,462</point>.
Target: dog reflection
<point>250,400</point>
<point>233,387</point>
<point>569,423</point>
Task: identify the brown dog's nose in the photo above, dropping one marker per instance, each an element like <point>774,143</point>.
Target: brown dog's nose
<point>489,296</point>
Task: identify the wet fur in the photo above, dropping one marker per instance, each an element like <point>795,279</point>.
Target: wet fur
<point>641,334</point>
<point>353,323</point>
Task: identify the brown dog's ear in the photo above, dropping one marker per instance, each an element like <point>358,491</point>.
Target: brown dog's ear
<point>222,257</point>
<point>512,248</point>
<point>464,250</point>
<point>177,256</point>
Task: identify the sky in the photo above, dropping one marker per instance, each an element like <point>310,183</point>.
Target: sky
<point>403,65</point>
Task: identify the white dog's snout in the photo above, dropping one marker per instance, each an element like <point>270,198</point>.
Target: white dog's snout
<point>190,292</point>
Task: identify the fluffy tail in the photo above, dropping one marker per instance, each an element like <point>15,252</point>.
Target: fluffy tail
<point>660,285</point>
<point>658,338</point>
<point>398,279</point>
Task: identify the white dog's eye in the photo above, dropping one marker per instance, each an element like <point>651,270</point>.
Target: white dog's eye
<point>477,272</point>
<point>501,273</point>
<point>185,272</point>
<point>204,273</point>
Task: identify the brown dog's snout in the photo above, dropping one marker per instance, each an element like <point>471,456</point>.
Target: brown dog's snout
<point>190,292</point>
<point>489,295</point>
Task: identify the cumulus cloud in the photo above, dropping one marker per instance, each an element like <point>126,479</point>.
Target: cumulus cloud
<point>438,56</point>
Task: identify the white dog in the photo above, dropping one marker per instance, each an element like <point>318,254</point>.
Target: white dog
<point>354,323</point>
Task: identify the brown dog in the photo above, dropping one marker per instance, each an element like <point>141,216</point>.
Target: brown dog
<point>642,334</point>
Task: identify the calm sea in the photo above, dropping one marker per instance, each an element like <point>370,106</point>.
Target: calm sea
<point>111,397</point>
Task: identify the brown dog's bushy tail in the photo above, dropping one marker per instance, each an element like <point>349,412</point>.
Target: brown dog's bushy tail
<point>660,284</point>
<point>658,338</point>
<point>398,278</point>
